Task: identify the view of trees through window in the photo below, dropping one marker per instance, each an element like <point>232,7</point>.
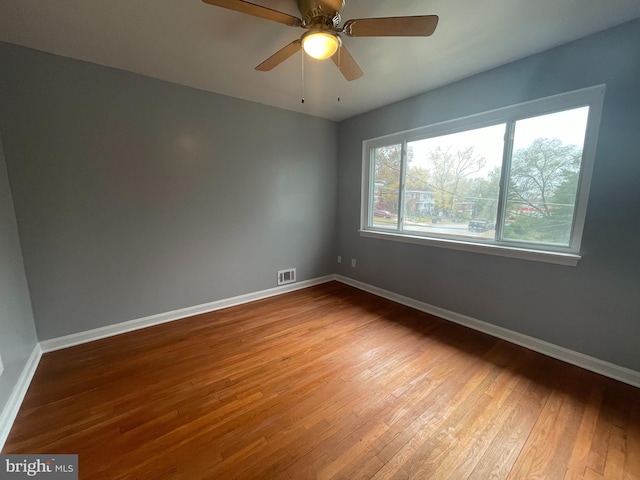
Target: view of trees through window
<point>453,185</point>
<point>544,175</point>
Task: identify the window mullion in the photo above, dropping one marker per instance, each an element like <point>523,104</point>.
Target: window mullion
<point>402,186</point>
<point>504,177</point>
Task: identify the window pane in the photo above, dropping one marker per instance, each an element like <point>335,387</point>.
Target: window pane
<point>543,180</point>
<point>386,186</point>
<point>453,183</point>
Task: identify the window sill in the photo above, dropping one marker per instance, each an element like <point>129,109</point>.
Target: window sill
<point>558,258</point>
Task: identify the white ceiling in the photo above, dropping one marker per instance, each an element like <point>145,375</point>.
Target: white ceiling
<point>191,43</point>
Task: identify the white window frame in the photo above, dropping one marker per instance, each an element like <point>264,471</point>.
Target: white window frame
<point>592,97</point>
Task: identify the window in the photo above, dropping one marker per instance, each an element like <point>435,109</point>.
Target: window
<point>512,182</point>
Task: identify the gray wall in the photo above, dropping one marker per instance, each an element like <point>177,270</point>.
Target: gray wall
<point>593,308</point>
<point>17,329</point>
<point>136,196</point>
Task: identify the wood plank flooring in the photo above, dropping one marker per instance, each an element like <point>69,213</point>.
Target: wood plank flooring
<point>327,382</point>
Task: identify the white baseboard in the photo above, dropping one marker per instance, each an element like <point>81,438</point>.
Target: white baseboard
<point>131,325</point>
<point>12,407</point>
<point>578,359</point>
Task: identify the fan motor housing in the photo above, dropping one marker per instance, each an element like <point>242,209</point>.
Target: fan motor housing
<point>320,11</point>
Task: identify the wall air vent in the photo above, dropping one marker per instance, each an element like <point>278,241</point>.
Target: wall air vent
<point>286,276</point>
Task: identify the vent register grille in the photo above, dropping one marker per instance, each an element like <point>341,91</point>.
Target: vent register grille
<point>286,276</point>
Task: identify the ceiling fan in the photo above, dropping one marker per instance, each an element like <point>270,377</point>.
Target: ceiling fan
<point>322,40</point>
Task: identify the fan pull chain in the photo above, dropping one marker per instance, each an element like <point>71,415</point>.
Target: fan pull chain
<point>339,63</point>
<point>302,63</point>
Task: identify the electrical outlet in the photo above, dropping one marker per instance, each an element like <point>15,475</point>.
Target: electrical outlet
<point>1,365</point>
<point>353,262</point>
<point>339,259</point>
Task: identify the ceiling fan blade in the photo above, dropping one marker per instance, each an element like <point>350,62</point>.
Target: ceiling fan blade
<point>280,56</point>
<point>257,11</point>
<point>346,64</point>
<point>420,26</point>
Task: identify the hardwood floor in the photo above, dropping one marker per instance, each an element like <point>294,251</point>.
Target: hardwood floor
<point>326,382</point>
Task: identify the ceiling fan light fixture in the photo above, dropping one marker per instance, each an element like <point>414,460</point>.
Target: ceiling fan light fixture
<point>320,45</point>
